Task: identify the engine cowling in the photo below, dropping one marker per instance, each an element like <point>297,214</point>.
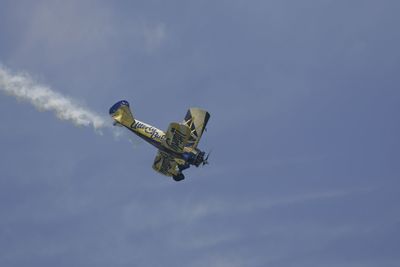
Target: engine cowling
<point>194,158</point>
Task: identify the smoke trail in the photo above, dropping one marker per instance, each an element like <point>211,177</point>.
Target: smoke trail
<point>23,87</point>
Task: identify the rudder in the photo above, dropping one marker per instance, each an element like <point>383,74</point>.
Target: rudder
<point>121,113</point>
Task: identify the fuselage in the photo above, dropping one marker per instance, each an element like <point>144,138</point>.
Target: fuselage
<point>149,133</point>
<point>156,137</point>
<point>152,135</point>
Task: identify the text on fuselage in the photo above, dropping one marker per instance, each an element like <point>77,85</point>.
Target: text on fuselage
<point>154,133</point>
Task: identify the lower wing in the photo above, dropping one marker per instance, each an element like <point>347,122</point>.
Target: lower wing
<point>165,164</point>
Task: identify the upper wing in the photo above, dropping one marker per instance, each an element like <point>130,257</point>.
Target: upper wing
<point>196,119</point>
<point>165,164</point>
<point>177,137</point>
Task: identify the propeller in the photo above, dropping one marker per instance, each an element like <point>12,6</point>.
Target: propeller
<point>205,161</point>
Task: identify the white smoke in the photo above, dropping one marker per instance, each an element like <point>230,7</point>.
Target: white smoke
<point>23,87</point>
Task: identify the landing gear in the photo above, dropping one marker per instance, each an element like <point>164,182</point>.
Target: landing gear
<point>178,177</point>
<point>183,167</point>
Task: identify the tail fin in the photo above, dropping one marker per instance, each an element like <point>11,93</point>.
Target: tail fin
<point>122,114</point>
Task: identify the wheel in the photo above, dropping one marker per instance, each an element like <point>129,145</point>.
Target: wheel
<point>179,177</point>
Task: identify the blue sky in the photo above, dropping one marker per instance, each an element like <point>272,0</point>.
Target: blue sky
<point>304,102</point>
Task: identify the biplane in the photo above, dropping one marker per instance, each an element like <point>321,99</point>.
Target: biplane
<point>177,147</point>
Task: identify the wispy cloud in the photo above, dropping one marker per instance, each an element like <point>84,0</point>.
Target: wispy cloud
<point>74,30</point>
<point>154,35</point>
